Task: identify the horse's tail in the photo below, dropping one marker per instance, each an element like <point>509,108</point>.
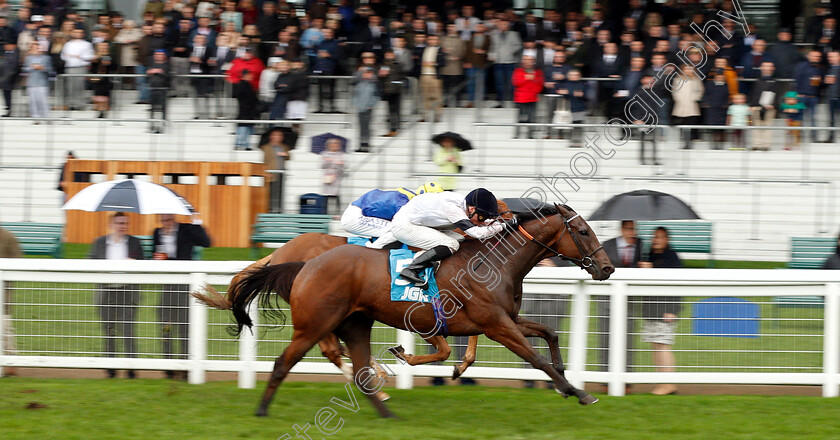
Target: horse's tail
<point>213,298</point>
<point>265,279</point>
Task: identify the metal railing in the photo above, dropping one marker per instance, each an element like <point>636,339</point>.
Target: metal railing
<point>673,135</point>
<point>56,131</point>
<point>24,198</point>
<point>53,322</point>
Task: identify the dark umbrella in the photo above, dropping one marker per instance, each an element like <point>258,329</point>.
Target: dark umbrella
<point>319,143</point>
<point>460,143</point>
<point>644,204</point>
<point>290,137</point>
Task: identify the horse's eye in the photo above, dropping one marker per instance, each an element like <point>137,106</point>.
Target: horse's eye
<point>584,232</point>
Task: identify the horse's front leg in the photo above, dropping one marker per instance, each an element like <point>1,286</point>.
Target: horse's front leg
<point>531,329</point>
<point>504,331</point>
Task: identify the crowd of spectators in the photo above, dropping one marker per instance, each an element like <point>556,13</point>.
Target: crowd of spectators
<point>521,57</point>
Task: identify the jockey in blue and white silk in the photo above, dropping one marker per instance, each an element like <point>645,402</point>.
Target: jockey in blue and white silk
<point>370,215</point>
<point>428,221</point>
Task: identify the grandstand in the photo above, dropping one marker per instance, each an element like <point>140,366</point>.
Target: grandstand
<point>757,200</point>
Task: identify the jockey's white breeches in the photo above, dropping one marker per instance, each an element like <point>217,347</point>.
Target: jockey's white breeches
<point>355,223</point>
<point>423,237</point>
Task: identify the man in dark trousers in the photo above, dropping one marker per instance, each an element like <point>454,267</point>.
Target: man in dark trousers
<point>159,78</point>
<point>808,78</point>
<point>175,241</point>
<point>249,110</point>
<point>624,251</point>
<point>326,63</point>
<point>9,72</point>
<point>118,303</point>
<point>764,99</point>
<point>392,83</point>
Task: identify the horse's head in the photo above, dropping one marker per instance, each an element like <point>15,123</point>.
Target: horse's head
<point>567,235</point>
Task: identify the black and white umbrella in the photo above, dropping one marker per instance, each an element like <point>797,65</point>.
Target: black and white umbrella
<point>129,195</point>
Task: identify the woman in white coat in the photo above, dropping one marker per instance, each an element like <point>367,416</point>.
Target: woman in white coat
<point>687,102</point>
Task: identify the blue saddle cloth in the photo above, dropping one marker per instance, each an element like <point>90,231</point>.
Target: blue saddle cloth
<point>404,290</point>
<point>359,241</point>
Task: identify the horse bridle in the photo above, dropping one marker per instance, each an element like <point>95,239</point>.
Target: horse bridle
<point>584,263</point>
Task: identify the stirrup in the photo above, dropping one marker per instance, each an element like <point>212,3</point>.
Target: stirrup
<point>413,277</point>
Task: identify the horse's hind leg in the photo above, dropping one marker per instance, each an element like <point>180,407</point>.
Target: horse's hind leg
<point>331,349</point>
<point>468,359</point>
<point>440,344</point>
<point>507,333</point>
<point>355,331</point>
<point>300,344</point>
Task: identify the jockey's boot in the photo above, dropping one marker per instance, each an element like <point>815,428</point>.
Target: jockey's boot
<point>413,272</point>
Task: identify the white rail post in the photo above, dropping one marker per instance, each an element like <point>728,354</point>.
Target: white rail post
<point>2,319</point>
<point>197,331</point>
<point>618,338</point>
<point>248,351</point>
<point>405,377</point>
<point>577,339</point>
<point>831,341</point>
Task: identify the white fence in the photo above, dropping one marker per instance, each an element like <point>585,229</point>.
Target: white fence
<point>54,321</point>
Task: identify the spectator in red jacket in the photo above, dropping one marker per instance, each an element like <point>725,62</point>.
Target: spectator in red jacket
<point>527,84</point>
<point>246,62</point>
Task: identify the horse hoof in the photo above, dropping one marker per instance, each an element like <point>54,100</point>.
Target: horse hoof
<point>261,413</point>
<point>565,395</point>
<point>382,396</point>
<point>588,399</point>
<point>456,373</point>
<point>398,352</point>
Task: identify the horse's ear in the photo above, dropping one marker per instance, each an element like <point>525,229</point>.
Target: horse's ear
<point>503,208</point>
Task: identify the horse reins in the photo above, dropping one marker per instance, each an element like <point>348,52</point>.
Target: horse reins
<point>584,262</point>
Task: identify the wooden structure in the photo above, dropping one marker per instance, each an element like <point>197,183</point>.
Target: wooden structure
<point>220,191</point>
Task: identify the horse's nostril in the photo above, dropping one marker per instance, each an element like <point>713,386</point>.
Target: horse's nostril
<point>609,269</point>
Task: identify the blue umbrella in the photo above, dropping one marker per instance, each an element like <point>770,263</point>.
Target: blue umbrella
<point>319,142</point>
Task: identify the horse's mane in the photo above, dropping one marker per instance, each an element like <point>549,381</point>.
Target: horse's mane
<point>541,211</point>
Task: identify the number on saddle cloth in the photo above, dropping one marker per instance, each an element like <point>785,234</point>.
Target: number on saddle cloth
<point>403,290</point>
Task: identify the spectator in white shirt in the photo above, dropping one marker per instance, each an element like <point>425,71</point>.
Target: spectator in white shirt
<point>176,241</point>
<point>118,303</point>
<point>76,54</point>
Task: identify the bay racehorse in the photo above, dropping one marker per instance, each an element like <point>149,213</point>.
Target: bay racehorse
<point>346,289</point>
<point>305,247</point>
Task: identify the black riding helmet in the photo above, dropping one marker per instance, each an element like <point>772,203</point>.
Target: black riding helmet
<point>484,202</point>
